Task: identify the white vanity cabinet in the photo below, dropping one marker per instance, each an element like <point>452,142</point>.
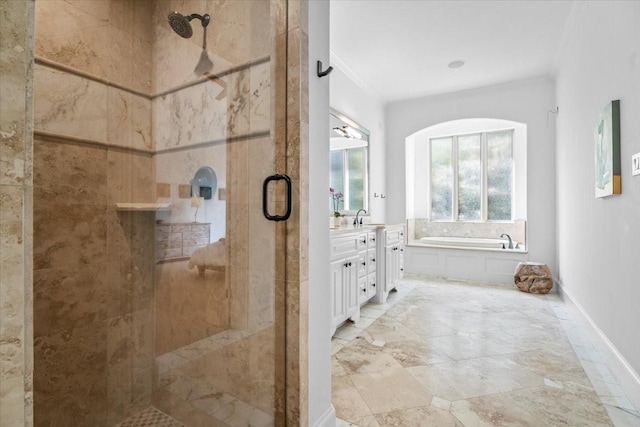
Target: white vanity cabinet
<point>345,272</point>
<point>391,244</point>
<point>353,273</point>
<point>366,264</point>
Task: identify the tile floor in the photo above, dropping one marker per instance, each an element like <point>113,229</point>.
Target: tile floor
<point>446,353</point>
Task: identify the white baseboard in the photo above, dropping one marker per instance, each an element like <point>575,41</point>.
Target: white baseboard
<point>625,374</point>
<point>328,419</point>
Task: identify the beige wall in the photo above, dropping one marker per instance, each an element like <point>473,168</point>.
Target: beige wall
<point>16,49</point>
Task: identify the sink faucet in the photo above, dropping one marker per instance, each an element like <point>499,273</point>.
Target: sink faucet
<point>510,241</point>
<point>355,221</point>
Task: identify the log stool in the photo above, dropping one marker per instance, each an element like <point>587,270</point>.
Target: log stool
<point>533,277</point>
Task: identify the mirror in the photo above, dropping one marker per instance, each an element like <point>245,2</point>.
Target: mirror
<point>204,183</point>
<point>348,165</point>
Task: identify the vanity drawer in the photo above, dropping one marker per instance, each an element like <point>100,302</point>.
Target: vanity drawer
<point>342,246</point>
<point>362,264</point>
<point>371,260</point>
<point>394,235</point>
<point>371,239</point>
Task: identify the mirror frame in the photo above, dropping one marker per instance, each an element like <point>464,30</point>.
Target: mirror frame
<point>347,121</point>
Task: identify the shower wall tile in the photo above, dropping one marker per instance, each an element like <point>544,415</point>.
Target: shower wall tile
<point>130,177</point>
<point>175,58</point>
<point>68,104</point>
<point>12,401</point>
<point>69,174</point>
<point>238,230</point>
<point>131,242</point>
<point>260,98</point>
<point>189,116</point>
<point>72,36</point>
<point>13,86</point>
<point>120,55</point>
<point>130,340</point>
<point>239,106</point>
<point>70,376</point>
<point>68,297</point>
<point>99,9</point>
<point>69,235</point>
<point>189,307</point>
<point>121,15</point>
<point>142,80</point>
<point>12,329</point>
<point>16,115</point>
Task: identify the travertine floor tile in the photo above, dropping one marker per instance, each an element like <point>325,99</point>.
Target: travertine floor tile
<point>422,416</point>
<point>474,355</point>
<point>347,400</point>
<point>391,390</point>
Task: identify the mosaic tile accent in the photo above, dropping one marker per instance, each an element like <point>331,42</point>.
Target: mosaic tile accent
<point>150,417</point>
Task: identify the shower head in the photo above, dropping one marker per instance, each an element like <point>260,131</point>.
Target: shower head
<point>182,24</point>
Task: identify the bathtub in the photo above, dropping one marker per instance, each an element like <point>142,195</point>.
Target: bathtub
<point>466,242</point>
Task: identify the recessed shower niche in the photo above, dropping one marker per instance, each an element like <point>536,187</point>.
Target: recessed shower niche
<point>122,106</point>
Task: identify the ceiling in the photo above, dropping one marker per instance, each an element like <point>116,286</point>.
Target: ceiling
<point>400,49</point>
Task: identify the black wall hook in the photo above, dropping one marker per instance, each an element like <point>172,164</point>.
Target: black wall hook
<point>325,72</point>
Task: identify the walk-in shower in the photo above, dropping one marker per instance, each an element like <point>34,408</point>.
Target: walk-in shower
<point>124,331</point>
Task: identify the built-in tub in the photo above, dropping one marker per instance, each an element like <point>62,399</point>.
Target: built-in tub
<point>466,242</point>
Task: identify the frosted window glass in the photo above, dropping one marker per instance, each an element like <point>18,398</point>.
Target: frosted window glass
<point>356,162</point>
<point>499,176</point>
<point>469,178</point>
<point>441,179</point>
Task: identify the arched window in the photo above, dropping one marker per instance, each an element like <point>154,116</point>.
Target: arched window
<point>471,170</point>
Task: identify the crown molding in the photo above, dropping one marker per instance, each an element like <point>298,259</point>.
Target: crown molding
<point>337,62</point>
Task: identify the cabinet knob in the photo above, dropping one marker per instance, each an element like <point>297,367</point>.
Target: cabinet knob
<point>402,234</point>
<point>373,238</point>
<point>373,285</point>
<point>364,263</point>
<point>364,290</point>
<point>363,241</point>
<point>373,260</point>
<point>402,269</point>
<point>349,263</point>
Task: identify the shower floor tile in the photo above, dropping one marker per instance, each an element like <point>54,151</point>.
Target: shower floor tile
<point>150,417</point>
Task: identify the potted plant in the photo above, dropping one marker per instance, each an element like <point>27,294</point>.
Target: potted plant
<point>336,198</point>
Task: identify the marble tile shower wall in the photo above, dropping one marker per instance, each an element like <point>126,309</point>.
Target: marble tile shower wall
<point>93,273</point>
<point>16,50</point>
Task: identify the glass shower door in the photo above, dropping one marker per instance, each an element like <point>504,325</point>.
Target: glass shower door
<point>156,272</point>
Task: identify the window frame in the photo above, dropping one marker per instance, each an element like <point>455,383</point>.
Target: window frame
<point>484,197</point>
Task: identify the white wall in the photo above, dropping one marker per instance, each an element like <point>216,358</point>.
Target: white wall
<point>599,239</point>
<point>355,101</point>
<point>321,412</point>
<point>527,102</point>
